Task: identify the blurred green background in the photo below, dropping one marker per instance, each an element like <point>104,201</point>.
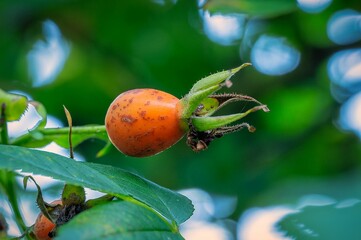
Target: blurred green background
<point>307,144</point>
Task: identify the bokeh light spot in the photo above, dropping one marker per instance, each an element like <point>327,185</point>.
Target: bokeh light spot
<point>344,71</point>
<point>206,230</point>
<point>223,29</point>
<point>313,6</point>
<point>350,114</point>
<point>202,201</point>
<point>274,56</point>
<point>259,223</point>
<point>207,221</point>
<point>47,58</point>
<point>344,27</point>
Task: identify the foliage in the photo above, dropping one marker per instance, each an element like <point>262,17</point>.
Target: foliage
<point>153,201</point>
<point>98,177</point>
<point>135,222</point>
<point>313,222</point>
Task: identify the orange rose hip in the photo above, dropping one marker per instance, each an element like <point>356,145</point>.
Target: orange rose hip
<point>44,226</point>
<point>144,122</point>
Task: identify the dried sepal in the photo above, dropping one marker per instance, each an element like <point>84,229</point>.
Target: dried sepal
<point>200,140</point>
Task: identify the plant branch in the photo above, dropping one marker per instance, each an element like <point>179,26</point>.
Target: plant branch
<point>54,132</point>
<point>75,130</point>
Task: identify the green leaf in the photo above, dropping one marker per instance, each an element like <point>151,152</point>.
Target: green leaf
<point>15,105</point>
<point>117,220</point>
<point>323,223</point>
<point>108,179</point>
<point>259,8</point>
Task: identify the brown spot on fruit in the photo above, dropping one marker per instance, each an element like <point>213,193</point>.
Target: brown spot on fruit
<point>142,114</point>
<point>127,119</point>
<point>162,118</point>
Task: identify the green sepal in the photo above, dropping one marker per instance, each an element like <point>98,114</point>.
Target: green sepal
<point>48,210</point>
<point>191,102</point>
<point>205,87</point>
<point>73,195</point>
<point>202,124</point>
<point>216,79</point>
<point>207,107</point>
<point>100,200</point>
<point>215,102</point>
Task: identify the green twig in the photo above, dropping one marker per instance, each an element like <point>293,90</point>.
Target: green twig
<point>96,129</point>
<point>75,130</point>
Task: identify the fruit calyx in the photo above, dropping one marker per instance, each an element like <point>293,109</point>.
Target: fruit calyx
<point>199,105</point>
